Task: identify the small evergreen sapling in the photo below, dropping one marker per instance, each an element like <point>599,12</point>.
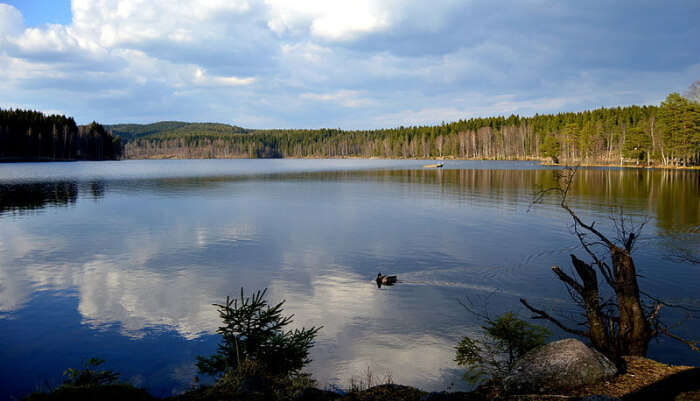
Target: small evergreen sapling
<point>254,331</point>
<point>494,354</point>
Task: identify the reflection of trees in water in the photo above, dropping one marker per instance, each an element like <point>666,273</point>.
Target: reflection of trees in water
<point>671,196</point>
<point>32,196</point>
<point>20,197</point>
<point>97,188</point>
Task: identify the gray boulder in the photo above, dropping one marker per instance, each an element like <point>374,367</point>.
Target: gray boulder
<point>557,367</point>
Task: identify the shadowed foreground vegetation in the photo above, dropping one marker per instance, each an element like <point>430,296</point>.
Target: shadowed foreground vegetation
<point>645,380</point>
<point>258,360</point>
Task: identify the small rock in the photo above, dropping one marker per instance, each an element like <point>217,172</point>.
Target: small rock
<point>557,367</point>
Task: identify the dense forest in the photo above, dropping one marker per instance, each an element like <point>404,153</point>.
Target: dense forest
<point>129,132</point>
<point>31,135</point>
<point>668,134</point>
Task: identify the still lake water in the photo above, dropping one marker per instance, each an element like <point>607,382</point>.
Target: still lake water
<point>122,260</point>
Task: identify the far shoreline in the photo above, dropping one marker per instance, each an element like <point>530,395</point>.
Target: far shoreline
<point>542,161</point>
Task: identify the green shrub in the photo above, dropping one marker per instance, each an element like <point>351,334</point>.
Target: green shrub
<point>255,331</point>
<point>493,355</point>
<point>91,383</point>
<point>89,375</point>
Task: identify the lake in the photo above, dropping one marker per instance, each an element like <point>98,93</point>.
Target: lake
<point>123,260</point>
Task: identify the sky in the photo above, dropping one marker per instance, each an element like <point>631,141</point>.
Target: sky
<point>353,64</point>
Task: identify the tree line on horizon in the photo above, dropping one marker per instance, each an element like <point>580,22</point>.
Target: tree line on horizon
<point>32,135</point>
<point>668,134</point>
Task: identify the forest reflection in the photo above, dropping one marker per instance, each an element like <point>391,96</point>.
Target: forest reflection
<point>671,196</point>
<point>23,197</point>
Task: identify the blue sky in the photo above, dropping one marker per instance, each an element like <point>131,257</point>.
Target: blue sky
<point>39,12</point>
<point>347,64</point>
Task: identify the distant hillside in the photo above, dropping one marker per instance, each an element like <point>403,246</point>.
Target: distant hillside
<point>668,134</point>
<point>166,129</point>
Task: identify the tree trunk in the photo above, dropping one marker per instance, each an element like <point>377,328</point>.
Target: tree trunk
<point>634,331</point>
<point>590,294</point>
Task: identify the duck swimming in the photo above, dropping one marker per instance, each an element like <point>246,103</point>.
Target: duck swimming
<point>385,280</point>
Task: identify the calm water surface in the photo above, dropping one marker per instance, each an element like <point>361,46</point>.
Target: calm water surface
<point>122,260</point>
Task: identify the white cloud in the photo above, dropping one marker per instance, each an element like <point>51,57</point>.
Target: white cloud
<point>347,98</point>
<point>342,20</point>
<point>313,63</point>
<point>328,19</point>
<point>10,20</point>
<point>119,22</point>
<point>309,52</point>
<point>347,19</point>
<point>202,78</point>
<point>56,42</point>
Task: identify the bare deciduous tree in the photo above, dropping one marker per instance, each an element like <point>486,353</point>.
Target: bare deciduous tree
<point>624,324</point>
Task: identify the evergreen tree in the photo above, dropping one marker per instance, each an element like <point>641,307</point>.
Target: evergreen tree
<point>637,144</point>
<point>255,331</point>
<point>551,147</point>
<point>679,121</point>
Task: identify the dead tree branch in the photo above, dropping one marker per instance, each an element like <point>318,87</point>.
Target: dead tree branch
<point>619,326</point>
<point>540,314</point>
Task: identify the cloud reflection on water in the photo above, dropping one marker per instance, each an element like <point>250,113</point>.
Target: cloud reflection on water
<point>153,255</point>
<point>367,327</point>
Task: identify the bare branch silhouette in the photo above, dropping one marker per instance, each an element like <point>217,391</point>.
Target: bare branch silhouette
<point>623,324</point>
